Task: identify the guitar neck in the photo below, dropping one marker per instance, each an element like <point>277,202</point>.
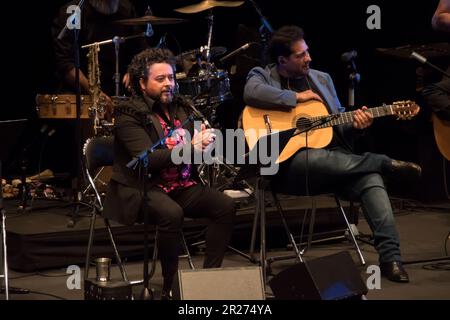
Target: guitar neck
<point>347,117</point>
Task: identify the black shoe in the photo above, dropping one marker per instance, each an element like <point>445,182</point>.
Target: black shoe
<point>394,271</point>
<point>166,295</point>
<point>406,169</point>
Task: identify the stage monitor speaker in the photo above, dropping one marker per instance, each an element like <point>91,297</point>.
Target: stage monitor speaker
<point>333,277</point>
<point>243,283</point>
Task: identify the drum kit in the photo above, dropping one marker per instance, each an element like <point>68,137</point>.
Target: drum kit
<point>199,79</point>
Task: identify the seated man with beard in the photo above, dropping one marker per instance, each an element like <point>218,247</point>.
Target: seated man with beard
<point>172,190</point>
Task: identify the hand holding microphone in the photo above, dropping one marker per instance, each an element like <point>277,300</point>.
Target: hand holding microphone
<point>202,139</point>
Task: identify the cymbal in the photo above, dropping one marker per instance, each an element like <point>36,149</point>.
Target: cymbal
<point>214,52</point>
<point>429,51</point>
<point>150,19</point>
<point>208,4</point>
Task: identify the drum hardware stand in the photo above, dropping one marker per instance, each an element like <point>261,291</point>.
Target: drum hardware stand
<point>213,171</point>
<point>117,41</point>
<point>265,32</point>
<point>24,188</point>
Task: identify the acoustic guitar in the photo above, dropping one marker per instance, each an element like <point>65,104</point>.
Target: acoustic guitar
<point>442,135</point>
<point>313,123</point>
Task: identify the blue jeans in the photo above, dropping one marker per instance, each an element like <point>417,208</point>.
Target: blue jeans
<point>352,177</point>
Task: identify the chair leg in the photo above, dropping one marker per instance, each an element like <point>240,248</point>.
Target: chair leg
<point>90,240</point>
<point>260,194</point>
<point>312,221</point>
<point>254,229</point>
<point>350,230</point>
<point>286,228</point>
<point>187,254</point>
<point>116,252</point>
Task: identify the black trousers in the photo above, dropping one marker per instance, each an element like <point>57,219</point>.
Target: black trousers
<point>167,211</point>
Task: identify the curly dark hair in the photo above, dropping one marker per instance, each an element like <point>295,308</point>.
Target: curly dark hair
<point>282,40</point>
<point>140,64</point>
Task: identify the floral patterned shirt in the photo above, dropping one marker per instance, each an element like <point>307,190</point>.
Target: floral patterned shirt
<point>175,176</point>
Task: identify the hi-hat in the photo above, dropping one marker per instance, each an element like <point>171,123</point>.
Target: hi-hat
<point>208,4</point>
<point>150,19</point>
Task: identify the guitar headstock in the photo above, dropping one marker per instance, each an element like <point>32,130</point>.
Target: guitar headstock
<point>405,110</point>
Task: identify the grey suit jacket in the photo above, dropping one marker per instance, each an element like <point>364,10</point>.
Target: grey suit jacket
<point>263,89</point>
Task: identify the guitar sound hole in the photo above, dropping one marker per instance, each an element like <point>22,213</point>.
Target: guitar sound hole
<point>303,123</point>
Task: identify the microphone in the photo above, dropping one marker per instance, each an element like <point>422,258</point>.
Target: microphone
<point>423,60</point>
<point>235,52</point>
<point>348,56</point>
<point>195,111</point>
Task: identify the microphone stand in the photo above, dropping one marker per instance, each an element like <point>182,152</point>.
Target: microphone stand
<point>76,185</point>
<point>141,161</point>
<point>117,41</point>
<point>422,59</point>
<point>354,78</point>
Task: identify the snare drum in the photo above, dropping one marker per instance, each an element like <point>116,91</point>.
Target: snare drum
<point>61,106</point>
<point>197,87</point>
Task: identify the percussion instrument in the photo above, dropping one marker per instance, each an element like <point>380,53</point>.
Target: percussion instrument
<point>208,4</point>
<point>150,19</point>
<point>205,89</point>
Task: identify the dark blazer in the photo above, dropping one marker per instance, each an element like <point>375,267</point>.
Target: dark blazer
<point>136,129</point>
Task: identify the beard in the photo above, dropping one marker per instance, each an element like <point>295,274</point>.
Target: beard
<point>106,7</point>
<point>164,97</point>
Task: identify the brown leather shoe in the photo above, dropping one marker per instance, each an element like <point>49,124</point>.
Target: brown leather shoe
<point>394,271</point>
<point>406,169</point>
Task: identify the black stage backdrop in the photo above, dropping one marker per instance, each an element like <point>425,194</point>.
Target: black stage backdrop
<point>331,27</point>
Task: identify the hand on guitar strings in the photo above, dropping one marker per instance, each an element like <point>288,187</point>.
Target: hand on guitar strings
<point>362,118</point>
